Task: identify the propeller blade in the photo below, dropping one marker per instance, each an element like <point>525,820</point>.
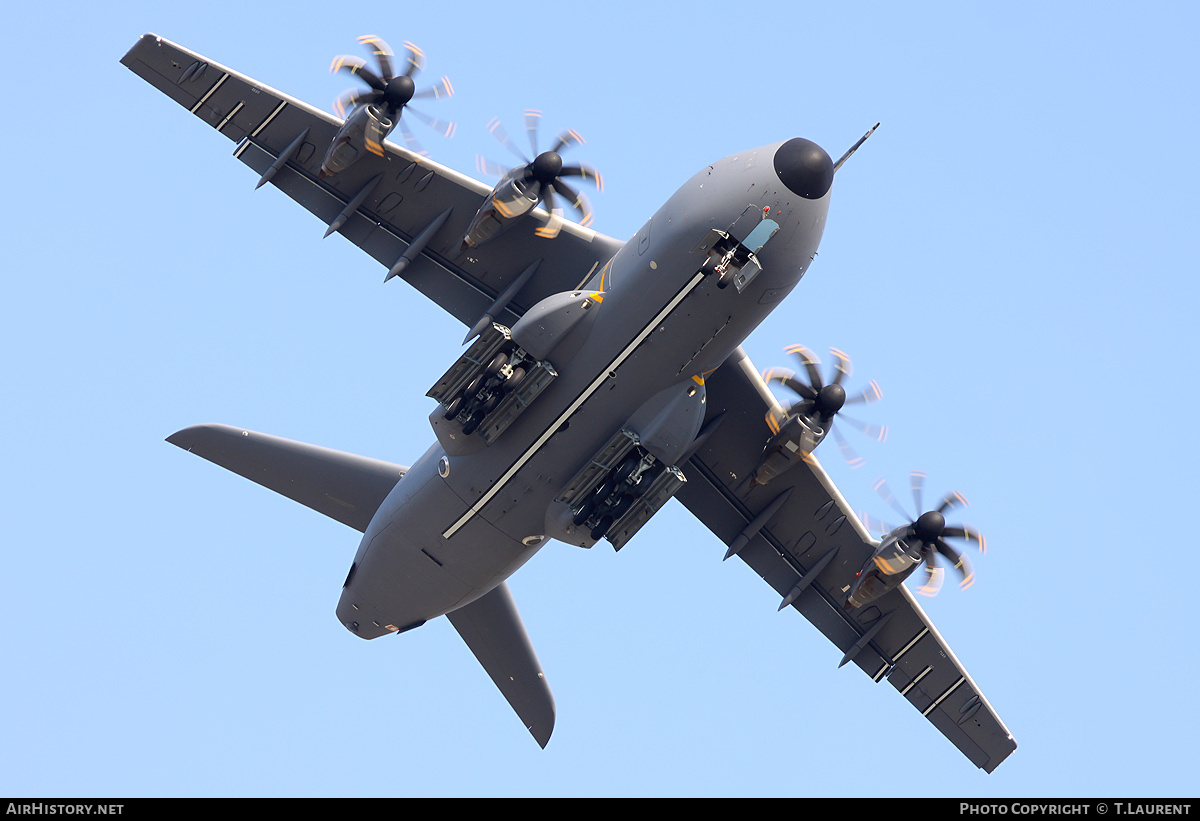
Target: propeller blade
<point>532,119</point>
<point>410,140</point>
<point>970,534</point>
<point>585,171</point>
<point>442,88</point>
<point>952,500</point>
<point>358,67</point>
<point>916,481</point>
<point>445,127</point>
<point>885,493</point>
<point>842,366</point>
<point>875,525</point>
<point>567,139</point>
<point>870,394</point>
<point>961,563</point>
<point>876,432</point>
<point>416,59</point>
<point>802,388</point>
<point>810,362</point>
<point>500,134</point>
<point>934,575</point>
<point>554,224</point>
<point>848,453</point>
<point>352,98</point>
<point>577,200</point>
<point>383,53</point>
<point>486,166</point>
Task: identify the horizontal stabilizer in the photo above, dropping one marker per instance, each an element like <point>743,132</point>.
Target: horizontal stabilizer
<point>492,628</point>
<point>343,486</point>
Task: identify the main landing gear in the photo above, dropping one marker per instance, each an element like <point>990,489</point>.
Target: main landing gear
<point>490,385</point>
<point>616,494</point>
<point>483,394</point>
<point>618,491</point>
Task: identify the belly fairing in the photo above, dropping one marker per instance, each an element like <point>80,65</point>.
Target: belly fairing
<point>405,573</point>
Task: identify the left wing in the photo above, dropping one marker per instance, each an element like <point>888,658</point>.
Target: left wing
<point>803,539</point>
<point>402,193</point>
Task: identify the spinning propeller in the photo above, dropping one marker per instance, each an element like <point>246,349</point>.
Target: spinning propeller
<point>928,533</point>
<point>820,401</point>
<point>391,92</point>
<point>546,171</point>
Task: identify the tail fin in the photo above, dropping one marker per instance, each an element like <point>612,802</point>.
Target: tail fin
<point>343,486</point>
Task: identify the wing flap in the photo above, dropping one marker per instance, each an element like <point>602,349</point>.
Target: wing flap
<point>810,551</point>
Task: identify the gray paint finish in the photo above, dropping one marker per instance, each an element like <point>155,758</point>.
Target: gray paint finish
<point>640,353</point>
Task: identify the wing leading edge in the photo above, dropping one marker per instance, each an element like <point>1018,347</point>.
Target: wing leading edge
<point>804,540</point>
<point>381,204</point>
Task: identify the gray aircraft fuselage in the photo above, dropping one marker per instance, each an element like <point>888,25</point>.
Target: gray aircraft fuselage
<point>458,524</point>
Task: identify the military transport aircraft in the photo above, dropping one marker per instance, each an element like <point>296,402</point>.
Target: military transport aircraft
<point>601,379</point>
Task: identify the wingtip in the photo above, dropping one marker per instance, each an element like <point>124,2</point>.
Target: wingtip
<point>184,437</point>
<point>541,733</point>
<point>187,438</point>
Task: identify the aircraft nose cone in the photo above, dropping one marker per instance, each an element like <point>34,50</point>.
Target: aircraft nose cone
<point>804,167</point>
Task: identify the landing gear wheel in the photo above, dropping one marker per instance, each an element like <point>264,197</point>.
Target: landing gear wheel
<point>620,508</point>
<point>515,379</point>
<point>471,424</point>
<point>584,513</point>
<point>626,469</point>
<point>601,529</point>
<point>605,490</point>
<point>498,362</point>
<point>453,408</point>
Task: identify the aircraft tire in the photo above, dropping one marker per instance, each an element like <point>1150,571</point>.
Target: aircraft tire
<point>584,513</point>
<point>599,531</point>
<point>498,362</point>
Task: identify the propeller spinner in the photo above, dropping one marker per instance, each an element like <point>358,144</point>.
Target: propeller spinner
<point>542,177</point>
<point>390,93</point>
<point>799,427</point>
<point>923,539</point>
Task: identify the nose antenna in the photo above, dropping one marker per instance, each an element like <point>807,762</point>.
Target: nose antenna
<point>854,148</point>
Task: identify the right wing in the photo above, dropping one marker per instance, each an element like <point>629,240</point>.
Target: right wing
<point>804,540</point>
<point>411,192</point>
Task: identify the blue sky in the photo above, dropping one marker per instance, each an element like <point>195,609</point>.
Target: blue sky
<point>1012,256</point>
